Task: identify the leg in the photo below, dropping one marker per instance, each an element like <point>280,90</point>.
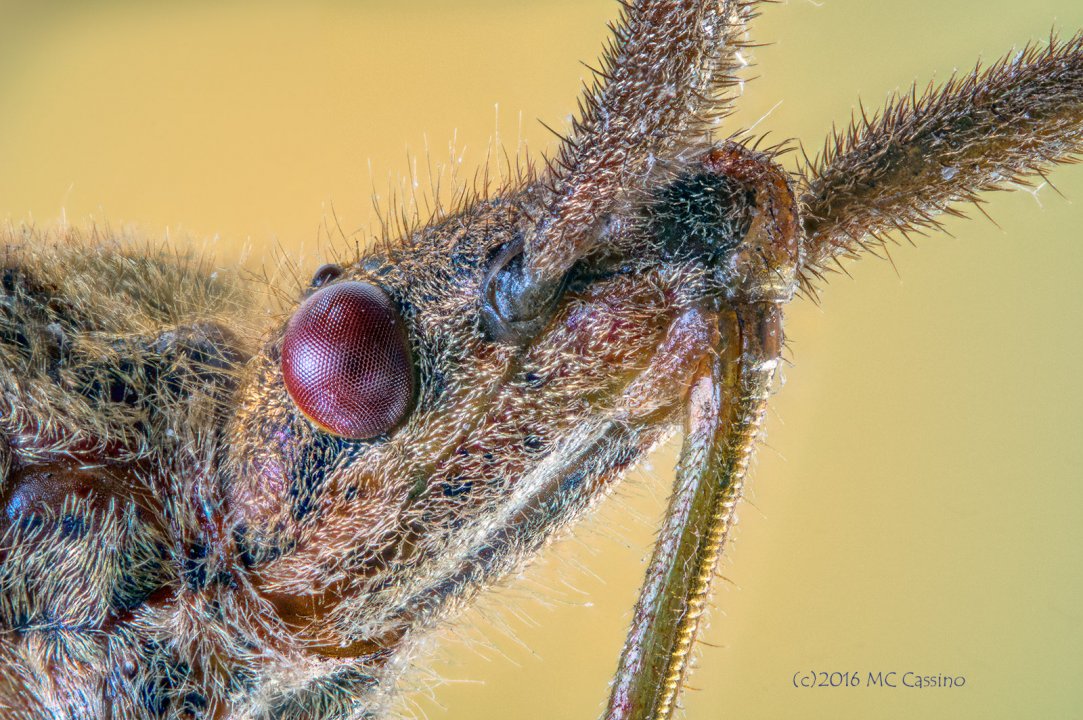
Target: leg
<point>725,408</point>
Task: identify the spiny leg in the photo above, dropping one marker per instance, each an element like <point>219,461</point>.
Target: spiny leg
<point>724,412</point>
<point>923,155</point>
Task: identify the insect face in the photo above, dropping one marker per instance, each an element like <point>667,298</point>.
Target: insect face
<point>205,524</point>
<point>361,521</point>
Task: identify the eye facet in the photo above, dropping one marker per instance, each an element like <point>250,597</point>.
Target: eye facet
<point>346,361</point>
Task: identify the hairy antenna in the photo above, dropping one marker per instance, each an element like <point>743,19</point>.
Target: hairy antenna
<point>922,155</point>
<point>662,85</point>
<point>663,79</point>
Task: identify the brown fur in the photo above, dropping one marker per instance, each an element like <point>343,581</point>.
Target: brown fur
<point>181,542</point>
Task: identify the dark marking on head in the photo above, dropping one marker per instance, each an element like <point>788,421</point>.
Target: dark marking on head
<point>72,527</point>
<point>310,468</point>
<point>534,380</point>
<point>325,274</point>
<point>195,567</point>
<point>194,704</point>
<point>456,486</point>
<point>701,216</point>
<point>254,551</point>
<point>533,443</point>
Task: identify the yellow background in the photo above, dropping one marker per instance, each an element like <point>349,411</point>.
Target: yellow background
<point>918,505</point>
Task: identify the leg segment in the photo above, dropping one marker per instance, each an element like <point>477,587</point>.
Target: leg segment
<point>724,412</point>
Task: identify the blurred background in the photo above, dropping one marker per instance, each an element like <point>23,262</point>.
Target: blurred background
<point>917,506</point>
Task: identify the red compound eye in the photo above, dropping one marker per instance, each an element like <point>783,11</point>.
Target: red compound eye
<point>346,362</point>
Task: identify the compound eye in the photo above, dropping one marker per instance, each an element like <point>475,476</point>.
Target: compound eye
<point>346,361</point>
